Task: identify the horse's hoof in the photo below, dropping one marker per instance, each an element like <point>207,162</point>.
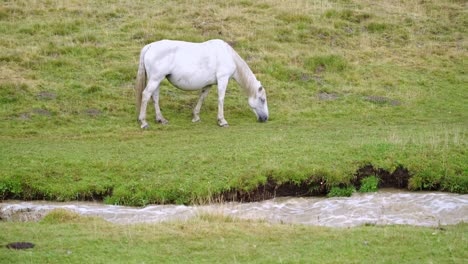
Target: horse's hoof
<point>196,119</point>
<point>145,126</point>
<point>224,125</point>
<point>162,121</point>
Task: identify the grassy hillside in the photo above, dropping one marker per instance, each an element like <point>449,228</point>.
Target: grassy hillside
<point>350,83</point>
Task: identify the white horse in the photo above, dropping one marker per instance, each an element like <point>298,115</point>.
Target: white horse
<point>194,66</point>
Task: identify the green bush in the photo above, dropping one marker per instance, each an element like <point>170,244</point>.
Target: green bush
<point>10,189</point>
<point>369,184</point>
<point>341,192</point>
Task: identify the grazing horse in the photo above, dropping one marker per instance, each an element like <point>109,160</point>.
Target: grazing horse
<point>195,66</point>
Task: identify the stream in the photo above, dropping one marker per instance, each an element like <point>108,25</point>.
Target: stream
<point>385,207</point>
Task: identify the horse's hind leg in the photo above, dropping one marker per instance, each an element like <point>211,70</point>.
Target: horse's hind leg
<point>159,116</point>
<point>151,87</point>
<point>196,111</point>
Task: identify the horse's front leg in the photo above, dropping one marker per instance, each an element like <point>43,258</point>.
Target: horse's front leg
<point>196,110</point>
<point>222,85</point>
<point>159,116</point>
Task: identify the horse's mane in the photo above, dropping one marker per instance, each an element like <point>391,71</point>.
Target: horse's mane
<point>244,75</point>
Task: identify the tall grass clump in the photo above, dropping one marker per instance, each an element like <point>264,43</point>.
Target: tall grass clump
<point>331,63</point>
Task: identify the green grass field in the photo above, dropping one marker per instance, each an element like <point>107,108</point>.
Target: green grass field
<point>67,238</point>
<point>350,83</point>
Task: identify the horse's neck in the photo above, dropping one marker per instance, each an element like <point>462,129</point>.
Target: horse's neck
<point>244,75</point>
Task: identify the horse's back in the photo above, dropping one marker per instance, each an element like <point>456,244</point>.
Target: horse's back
<point>207,46</point>
<point>187,65</point>
<point>189,52</point>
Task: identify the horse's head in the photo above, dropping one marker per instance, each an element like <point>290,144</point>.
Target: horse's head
<point>258,103</point>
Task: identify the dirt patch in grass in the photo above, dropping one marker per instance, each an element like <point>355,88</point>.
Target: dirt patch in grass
<point>382,100</point>
<point>46,95</point>
<point>42,112</point>
<point>20,245</point>
<point>92,112</point>
<point>323,96</point>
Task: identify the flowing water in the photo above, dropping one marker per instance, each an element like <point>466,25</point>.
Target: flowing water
<point>381,208</point>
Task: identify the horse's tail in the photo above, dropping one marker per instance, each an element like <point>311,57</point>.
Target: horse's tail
<point>141,79</point>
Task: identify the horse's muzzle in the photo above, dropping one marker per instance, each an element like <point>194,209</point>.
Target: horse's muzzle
<point>262,118</point>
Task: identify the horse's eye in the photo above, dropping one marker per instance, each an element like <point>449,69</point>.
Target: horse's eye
<point>260,88</point>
